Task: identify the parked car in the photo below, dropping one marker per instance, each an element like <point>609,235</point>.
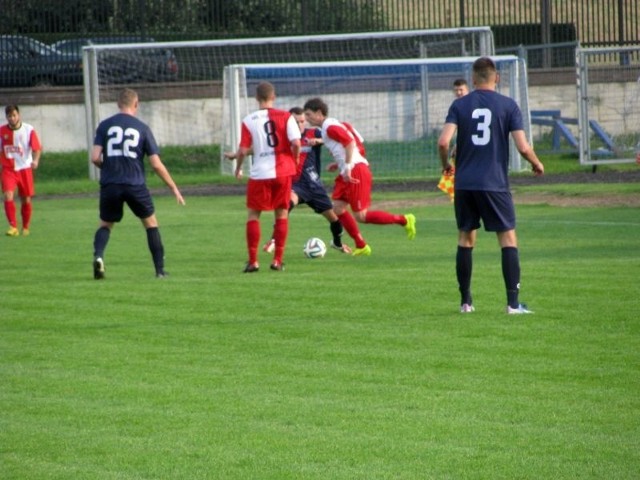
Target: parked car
<point>26,62</point>
<point>125,66</point>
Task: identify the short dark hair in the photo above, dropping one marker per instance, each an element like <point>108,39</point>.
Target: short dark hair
<point>10,109</point>
<point>316,104</point>
<point>483,68</point>
<point>264,91</point>
<point>296,111</point>
<point>458,82</point>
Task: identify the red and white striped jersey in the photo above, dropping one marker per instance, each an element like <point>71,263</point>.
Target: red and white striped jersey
<point>16,146</point>
<point>269,133</point>
<point>336,136</point>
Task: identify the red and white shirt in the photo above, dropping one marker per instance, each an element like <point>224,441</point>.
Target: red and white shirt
<point>17,146</point>
<point>336,136</point>
<point>269,132</point>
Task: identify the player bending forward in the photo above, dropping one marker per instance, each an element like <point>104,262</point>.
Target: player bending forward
<point>353,182</point>
<point>307,185</point>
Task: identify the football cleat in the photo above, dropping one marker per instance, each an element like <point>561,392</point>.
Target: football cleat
<point>12,232</point>
<point>410,226</point>
<point>25,232</point>
<point>270,246</point>
<point>162,274</point>
<point>467,308</point>
<point>251,268</point>
<point>364,251</point>
<point>277,266</point>
<point>344,248</point>
<point>522,308</point>
<point>98,268</point>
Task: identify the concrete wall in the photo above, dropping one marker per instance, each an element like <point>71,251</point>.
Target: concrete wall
<point>197,122</point>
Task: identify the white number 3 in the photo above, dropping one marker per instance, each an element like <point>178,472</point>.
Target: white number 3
<point>484,132</point>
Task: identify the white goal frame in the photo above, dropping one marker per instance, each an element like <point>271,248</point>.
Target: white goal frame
<point>99,97</point>
<point>239,102</point>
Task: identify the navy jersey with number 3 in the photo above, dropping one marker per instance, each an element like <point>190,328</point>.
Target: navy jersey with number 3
<point>125,141</point>
<point>484,120</point>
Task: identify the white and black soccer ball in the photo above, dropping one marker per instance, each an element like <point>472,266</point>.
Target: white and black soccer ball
<point>314,248</point>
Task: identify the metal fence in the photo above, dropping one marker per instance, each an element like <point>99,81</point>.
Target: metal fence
<point>590,22</point>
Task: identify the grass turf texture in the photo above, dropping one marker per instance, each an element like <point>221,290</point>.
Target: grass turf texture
<point>68,173</point>
<point>341,368</point>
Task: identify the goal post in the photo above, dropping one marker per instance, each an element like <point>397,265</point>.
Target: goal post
<point>608,88</point>
<point>399,106</point>
<point>182,81</point>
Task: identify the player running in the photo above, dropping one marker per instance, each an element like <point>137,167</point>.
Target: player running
<point>353,182</point>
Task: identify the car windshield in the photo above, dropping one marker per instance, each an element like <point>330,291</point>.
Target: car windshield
<point>69,47</point>
<point>41,48</point>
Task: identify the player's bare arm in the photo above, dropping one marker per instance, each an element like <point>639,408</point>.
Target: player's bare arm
<point>163,173</point>
<point>446,135</point>
<point>36,159</point>
<point>527,152</point>
<point>239,158</point>
<point>96,156</point>
<point>296,147</point>
<point>234,155</point>
<point>348,162</point>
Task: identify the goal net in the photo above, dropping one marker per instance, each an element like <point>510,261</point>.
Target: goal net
<point>180,83</point>
<point>399,106</point>
<point>608,81</point>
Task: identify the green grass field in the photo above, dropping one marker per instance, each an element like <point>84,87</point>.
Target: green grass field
<point>337,368</point>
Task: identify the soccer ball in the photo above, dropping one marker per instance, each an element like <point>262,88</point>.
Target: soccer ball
<point>314,248</point>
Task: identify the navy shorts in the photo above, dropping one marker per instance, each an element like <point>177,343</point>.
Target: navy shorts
<point>114,196</point>
<point>313,193</point>
<point>495,209</point>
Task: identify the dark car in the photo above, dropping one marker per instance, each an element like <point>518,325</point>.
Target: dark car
<point>26,62</point>
<point>126,65</point>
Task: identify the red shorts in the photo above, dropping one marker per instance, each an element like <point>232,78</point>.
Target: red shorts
<point>269,194</point>
<point>357,195</point>
<point>22,180</point>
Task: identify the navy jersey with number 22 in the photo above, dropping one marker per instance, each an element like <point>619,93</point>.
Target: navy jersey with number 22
<point>125,140</point>
<point>484,120</point>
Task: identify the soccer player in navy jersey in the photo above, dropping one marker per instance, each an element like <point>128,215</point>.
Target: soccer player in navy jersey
<point>484,119</point>
<point>120,145</point>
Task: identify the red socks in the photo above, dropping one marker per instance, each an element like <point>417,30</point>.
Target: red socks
<point>384,218</point>
<point>253,239</point>
<point>351,226</point>
<point>26,210</point>
<point>10,211</point>
<point>280,232</point>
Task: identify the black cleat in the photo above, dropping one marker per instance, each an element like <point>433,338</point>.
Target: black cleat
<point>98,268</point>
<point>251,268</point>
<point>277,266</point>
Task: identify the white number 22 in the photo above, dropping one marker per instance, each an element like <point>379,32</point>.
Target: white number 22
<point>122,142</point>
<point>484,132</point>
